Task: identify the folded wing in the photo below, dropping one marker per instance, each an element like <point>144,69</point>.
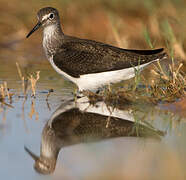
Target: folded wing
<point>86,57</point>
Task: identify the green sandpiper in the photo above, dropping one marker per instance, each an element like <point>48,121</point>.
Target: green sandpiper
<point>88,63</point>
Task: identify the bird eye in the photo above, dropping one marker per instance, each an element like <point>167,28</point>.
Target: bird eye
<point>51,16</point>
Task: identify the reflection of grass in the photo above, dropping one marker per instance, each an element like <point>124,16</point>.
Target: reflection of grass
<point>33,111</point>
<point>146,130</point>
<point>4,92</point>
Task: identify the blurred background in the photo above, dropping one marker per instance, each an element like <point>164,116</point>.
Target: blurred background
<point>124,23</point>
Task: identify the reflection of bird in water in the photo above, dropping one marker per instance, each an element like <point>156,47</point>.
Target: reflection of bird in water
<point>71,124</point>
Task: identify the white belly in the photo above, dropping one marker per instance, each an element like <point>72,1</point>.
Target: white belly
<point>95,80</point>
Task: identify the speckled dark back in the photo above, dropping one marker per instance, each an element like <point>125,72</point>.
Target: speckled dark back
<point>85,126</point>
<point>81,56</point>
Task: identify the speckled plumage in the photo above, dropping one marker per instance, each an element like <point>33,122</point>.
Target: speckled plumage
<point>87,62</point>
<point>69,125</point>
<point>81,56</point>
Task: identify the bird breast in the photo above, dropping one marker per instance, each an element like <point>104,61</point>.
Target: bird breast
<point>50,42</point>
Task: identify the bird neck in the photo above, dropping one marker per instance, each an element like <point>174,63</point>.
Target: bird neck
<point>52,38</point>
<point>50,146</point>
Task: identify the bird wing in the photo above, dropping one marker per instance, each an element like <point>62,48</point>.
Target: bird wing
<point>85,57</point>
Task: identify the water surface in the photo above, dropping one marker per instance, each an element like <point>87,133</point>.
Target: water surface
<point>88,152</point>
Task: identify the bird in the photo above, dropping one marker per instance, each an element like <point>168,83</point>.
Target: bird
<point>81,122</point>
<point>88,63</point>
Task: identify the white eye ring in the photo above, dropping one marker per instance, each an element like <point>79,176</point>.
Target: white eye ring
<point>51,16</point>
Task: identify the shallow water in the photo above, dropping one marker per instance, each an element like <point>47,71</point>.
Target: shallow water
<point>88,151</point>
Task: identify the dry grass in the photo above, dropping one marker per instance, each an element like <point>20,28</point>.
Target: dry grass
<point>29,82</point>
<point>171,85</point>
<point>23,80</point>
<point>168,84</point>
<point>4,92</point>
<point>33,80</point>
<point>4,95</point>
<point>168,87</point>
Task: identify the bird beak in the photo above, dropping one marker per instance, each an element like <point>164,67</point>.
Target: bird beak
<point>34,29</point>
<point>35,157</point>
